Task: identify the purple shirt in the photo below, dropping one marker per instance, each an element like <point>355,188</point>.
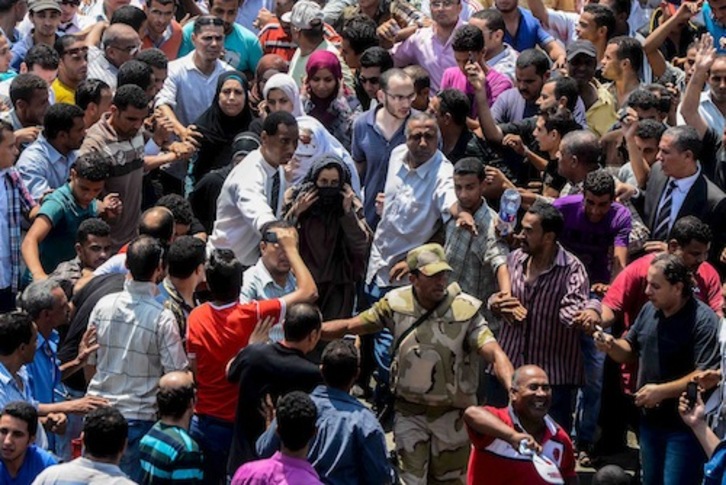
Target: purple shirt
<point>591,242</point>
<point>277,470</point>
<point>496,84</point>
<point>425,49</point>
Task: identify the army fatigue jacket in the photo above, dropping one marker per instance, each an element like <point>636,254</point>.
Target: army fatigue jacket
<point>437,364</point>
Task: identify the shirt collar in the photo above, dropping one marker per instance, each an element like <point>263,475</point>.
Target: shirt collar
<point>684,185</point>
<point>5,376</point>
<point>53,154</point>
<point>423,170</point>
<point>145,288</point>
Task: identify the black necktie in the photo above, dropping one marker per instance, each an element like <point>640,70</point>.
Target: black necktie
<point>275,196</point>
<point>660,230</point>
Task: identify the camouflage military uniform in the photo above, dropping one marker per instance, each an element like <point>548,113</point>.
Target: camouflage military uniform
<point>434,376</point>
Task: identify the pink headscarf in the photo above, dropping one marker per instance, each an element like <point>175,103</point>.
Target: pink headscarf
<point>323,59</point>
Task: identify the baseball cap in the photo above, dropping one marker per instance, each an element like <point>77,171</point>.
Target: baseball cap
<point>581,47</point>
<point>429,259</point>
<point>40,5</point>
<point>305,15</point>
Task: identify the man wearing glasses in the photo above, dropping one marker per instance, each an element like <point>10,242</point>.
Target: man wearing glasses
<point>430,47</point>
<point>119,43</point>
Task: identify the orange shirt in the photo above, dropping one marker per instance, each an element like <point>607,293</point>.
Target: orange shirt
<point>216,335</point>
<point>170,43</point>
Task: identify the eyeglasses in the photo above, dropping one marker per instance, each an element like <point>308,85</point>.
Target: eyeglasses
<point>369,80</point>
<point>401,97</point>
<point>131,50</point>
<point>209,20</point>
<point>440,4</point>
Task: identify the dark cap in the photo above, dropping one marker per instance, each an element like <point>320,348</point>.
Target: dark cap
<point>581,47</point>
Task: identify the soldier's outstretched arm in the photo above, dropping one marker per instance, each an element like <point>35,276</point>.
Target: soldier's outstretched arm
<point>503,369</point>
<point>339,328</point>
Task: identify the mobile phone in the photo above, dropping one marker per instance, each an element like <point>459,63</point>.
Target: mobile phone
<point>270,237</point>
<point>692,394</point>
<point>599,334</point>
<point>472,58</point>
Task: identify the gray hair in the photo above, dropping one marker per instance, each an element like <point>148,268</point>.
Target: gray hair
<point>39,296</point>
<point>421,116</point>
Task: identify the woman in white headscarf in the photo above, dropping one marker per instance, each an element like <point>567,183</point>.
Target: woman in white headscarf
<point>282,94</point>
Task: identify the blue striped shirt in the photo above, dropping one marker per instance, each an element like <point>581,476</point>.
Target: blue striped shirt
<point>170,455</point>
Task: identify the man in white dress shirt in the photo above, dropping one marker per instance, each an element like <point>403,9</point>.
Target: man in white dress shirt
<point>252,193</point>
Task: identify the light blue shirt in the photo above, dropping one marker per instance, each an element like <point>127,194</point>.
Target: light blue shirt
<point>44,372</point>
<point>185,79</point>
<point>10,391</point>
<point>717,30</point>
<point>242,49</point>
<point>247,13</point>
<point>259,285</point>
<point>42,167</point>
<point>6,274</point>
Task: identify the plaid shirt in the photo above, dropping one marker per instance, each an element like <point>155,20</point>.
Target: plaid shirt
<point>475,259</point>
<point>20,202</point>
<point>403,12</point>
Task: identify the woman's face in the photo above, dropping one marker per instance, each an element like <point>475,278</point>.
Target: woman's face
<point>232,97</point>
<point>329,177</point>
<point>277,100</point>
<point>323,83</point>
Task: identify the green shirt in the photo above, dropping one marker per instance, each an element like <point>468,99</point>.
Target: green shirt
<point>65,215</point>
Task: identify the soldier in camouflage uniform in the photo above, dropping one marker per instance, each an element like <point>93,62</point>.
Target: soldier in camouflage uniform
<point>439,335</point>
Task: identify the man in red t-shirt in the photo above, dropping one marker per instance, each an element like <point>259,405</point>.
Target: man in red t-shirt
<point>690,241</point>
<point>497,435</point>
<point>218,330</point>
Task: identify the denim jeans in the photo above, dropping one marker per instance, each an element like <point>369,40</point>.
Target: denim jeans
<point>131,461</point>
<point>589,397</point>
<point>214,437</point>
<point>563,406</point>
<point>670,457</point>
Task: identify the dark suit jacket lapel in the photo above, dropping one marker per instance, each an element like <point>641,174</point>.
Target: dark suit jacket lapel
<point>695,202</point>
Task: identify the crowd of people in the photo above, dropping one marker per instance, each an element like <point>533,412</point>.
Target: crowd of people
<point>242,240</point>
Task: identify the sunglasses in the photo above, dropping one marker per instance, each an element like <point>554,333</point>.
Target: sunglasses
<point>74,3</point>
<point>369,80</point>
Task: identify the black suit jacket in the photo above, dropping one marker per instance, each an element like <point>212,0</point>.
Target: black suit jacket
<point>705,201</point>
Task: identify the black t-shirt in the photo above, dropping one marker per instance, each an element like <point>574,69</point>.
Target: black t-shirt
<point>670,348</point>
<point>522,171</point>
<point>263,369</point>
<point>83,302</point>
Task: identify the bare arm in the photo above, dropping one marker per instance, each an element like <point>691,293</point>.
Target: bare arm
<point>620,260</point>
<point>30,247</point>
<point>705,56</point>
<point>339,328</point>
<point>538,9</point>
<point>556,53</point>
<point>307,291</point>
<point>504,279</point>
<point>618,349</point>
<point>503,369</point>
<point>641,169</point>
<point>477,78</point>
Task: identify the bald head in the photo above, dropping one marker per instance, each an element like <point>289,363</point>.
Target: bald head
<point>157,222</point>
<point>525,373</point>
<point>176,396</point>
<point>120,43</point>
<point>176,380</point>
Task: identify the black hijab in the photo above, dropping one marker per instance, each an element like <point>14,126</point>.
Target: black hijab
<point>218,129</point>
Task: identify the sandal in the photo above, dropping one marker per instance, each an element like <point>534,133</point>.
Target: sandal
<point>584,459</point>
